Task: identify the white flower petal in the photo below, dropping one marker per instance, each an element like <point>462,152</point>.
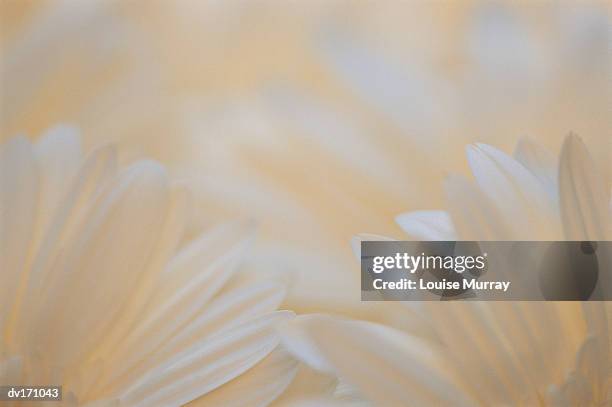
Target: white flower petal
<point>174,305</point>
<point>225,243</point>
<point>403,92</point>
<point>159,328</point>
<point>365,237</point>
<point>473,215</point>
<point>514,190</point>
<point>297,341</point>
<point>333,131</point>
<point>508,349</point>
<point>328,402</point>
<point>541,163</point>
<point>257,387</point>
<point>174,224</point>
<point>594,366</point>
<point>228,310</point>
<point>307,384</point>
<point>207,365</point>
<point>598,320</point>
<point>368,356</point>
<point>59,155</point>
<point>19,200</point>
<point>582,193</point>
<point>97,170</point>
<point>427,225</point>
<point>117,238</point>
<point>104,403</point>
<point>589,383</point>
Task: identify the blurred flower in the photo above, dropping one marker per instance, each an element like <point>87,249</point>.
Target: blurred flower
<point>473,353</point>
<point>310,187</point>
<point>400,88</point>
<point>445,72</point>
<point>102,293</point>
<point>485,353</point>
<point>528,197</point>
<point>531,196</point>
<point>386,92</point>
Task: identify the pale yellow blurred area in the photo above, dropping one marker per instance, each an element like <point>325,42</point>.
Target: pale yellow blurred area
<point>267,108</point>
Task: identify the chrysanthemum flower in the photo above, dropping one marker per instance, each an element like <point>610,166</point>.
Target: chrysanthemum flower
<point>470,354</point>
<point>101,292</point>
<point>486,353</point>
<point>528,197</point>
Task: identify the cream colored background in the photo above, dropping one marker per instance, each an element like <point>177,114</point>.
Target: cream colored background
<point>319,119</point>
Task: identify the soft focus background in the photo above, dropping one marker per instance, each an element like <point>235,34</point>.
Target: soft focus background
<point>319,119</point>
